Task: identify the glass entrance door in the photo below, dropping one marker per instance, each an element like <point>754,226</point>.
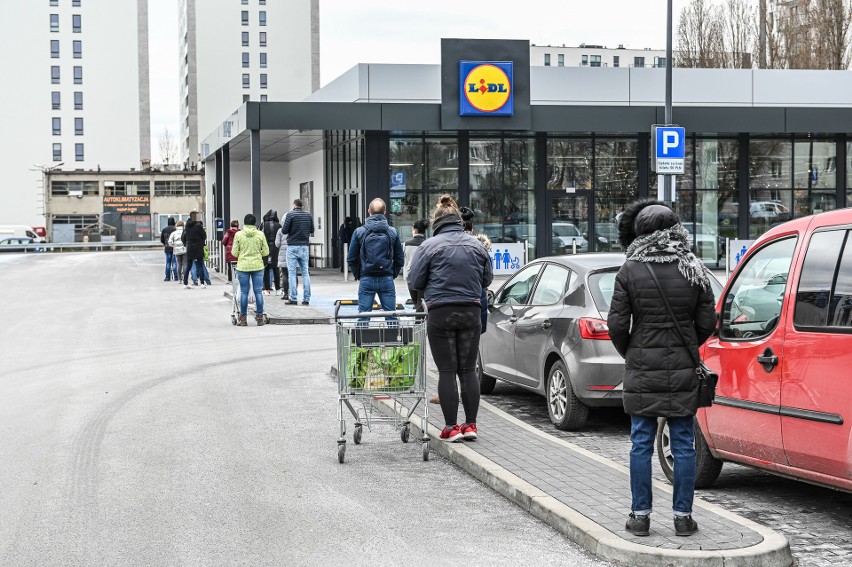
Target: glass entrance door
<point>568,222</point>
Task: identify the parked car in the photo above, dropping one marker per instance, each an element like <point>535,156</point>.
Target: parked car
<point>783,352</point>
<point>17,244</point>
<point>565,236</point>
<point>705,241</point>
<point>547,332</point>
<point>20,230</point>
<point>769,210</point>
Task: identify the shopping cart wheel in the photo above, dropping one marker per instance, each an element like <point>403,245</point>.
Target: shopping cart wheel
<point>341,451</point>
<point>404,433</point>
<point>425,451</point>
<point>356,436</point>
<point>233,319</point>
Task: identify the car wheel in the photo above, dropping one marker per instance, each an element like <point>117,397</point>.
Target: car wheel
<point>565,410</point>
<point>707,467</point>
<point>486,383</point>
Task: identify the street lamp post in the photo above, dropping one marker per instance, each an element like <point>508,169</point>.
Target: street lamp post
<point>668,194</point>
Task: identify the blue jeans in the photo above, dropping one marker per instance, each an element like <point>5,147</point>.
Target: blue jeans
<point>297,257</point>
<point>171,265</point>
<point>643,432</point>
<point>256,279</point>
<point>206,274</point>
<point>370,286</point>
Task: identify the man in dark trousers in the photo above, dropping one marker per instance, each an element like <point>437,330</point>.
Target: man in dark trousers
<point>299,227</point>
<point>376,257</point>
<point>171,262</point>
<point>270,229</point>
<point>344,237</point>
<point>195,237</point>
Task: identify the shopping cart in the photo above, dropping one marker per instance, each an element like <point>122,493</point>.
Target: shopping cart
<point>381,357</point>
<point>235,293</point>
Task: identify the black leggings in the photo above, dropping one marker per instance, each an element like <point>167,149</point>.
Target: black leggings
<point>454,337</point>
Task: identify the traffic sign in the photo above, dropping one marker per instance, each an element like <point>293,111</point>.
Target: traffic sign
<point>669,148</point>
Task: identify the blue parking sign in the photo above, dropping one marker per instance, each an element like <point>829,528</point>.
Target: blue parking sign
<point>669,149</point>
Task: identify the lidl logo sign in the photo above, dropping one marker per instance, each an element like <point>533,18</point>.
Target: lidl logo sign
<point>486,88</point>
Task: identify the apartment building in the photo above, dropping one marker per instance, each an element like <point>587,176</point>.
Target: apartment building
<point>587,55</point>
<point>234,51</point>
<point>76,95</point>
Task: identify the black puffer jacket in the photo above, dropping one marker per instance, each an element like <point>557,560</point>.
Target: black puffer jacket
<point>452,267</point>
<point>270,227</point>
<point>659,379</point>
<point>195,239</point>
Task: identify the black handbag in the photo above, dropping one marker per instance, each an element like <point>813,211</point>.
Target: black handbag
<point>707,379</point>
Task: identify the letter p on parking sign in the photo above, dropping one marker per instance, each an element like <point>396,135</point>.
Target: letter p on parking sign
<point>669,149</point>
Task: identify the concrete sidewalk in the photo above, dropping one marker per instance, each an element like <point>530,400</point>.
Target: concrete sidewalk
<point>581,494</point>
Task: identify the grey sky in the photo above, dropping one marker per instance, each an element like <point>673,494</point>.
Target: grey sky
<point>404,31</point>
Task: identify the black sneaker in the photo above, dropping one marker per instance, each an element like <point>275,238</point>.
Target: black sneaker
<point>291,302</point>
<point>685,525</point>
<point>638,525</point>
<point>306,303</point>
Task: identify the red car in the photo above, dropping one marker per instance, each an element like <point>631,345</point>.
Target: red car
<point>783,352</point>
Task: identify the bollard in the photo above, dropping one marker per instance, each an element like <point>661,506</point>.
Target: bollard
<point>345,265</point>
<point>573,246</point>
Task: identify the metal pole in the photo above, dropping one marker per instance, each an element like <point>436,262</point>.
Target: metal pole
<point>668,194</point>
<point>345,265</point>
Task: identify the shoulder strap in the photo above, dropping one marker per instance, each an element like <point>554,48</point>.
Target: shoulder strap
<point>671,314</point>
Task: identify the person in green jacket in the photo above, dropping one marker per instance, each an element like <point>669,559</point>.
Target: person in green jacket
<point>249,249</point>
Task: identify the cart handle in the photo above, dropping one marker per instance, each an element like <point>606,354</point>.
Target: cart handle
<point>372,314</point>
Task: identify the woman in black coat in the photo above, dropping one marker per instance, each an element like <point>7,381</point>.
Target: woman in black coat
<point>660,379</point>
<point>196,237</point>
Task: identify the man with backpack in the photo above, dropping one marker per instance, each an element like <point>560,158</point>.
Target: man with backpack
<point>375,258</point>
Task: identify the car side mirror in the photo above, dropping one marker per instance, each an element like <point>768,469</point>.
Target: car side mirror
<point>489,297</point>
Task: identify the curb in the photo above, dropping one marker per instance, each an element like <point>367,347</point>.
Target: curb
<point>773,551</point>
<point>288,320</point>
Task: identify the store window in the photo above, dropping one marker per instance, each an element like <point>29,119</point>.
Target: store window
<point>501,182</point>
<point>770,184</point>
<point>814,177</point>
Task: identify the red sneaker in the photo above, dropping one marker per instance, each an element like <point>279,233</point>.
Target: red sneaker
<point>469,431</point>
<point>451,435</point>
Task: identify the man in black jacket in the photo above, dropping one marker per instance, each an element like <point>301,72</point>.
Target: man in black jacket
<point>171,262</point>
<point>299,227</point>
<point>195,237</point>
<point>659,378</point>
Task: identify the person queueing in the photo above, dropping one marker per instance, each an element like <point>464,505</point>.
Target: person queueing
<point>228,244</point>
<point>411,246</point>
<point>659,378</point>
<point>176,242</point>
<point>451,269</point>
<point>376,258</point>
<point>270,229</point>
<point>299,227</point>
<point>284,274</point>
<point>171,265</point>
<point>250,247</point>
<point>194,236</point>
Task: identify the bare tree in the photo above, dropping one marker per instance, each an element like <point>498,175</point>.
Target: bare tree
<point>168,148</point>
<point>810,34</point>
<point>740,30</point>
<point>700,32</point>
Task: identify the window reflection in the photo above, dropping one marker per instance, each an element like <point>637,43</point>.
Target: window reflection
<point>616,186</point>
<point>569,164</point>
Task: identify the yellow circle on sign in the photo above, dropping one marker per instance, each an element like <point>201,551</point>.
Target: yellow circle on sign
<point>487,88</point>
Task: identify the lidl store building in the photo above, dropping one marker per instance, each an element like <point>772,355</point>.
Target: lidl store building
<point>545,155</point>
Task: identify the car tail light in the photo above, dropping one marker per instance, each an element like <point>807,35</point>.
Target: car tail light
<point>595,329</point>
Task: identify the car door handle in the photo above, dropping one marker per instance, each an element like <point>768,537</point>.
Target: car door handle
<point>768,359</point>
<point>546,324</point>
<point>513,318</point>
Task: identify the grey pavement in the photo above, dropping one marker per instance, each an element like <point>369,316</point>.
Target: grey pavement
<point>139,427</point>
<point>577,491</point>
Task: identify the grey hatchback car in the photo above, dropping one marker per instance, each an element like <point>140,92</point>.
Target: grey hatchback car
<point>547,332</point>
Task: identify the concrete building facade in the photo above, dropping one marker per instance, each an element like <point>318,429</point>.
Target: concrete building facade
<point>232,52</point>
<point>76,95</point>
<point>587,55</point>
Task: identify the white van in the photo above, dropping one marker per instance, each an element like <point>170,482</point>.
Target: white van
<point>13,230</point>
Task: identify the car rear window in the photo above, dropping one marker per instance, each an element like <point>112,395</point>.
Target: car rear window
<point>602,286</point>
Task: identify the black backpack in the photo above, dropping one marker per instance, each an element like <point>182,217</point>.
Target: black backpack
<point>376,253</point>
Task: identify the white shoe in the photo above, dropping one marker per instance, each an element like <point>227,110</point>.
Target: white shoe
<point>186,287</point>
<point>203,286</point>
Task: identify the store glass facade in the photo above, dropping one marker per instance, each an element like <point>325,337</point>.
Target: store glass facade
<point>563,194</point>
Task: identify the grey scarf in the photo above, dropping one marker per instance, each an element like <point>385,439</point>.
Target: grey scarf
<point>667,246</point>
